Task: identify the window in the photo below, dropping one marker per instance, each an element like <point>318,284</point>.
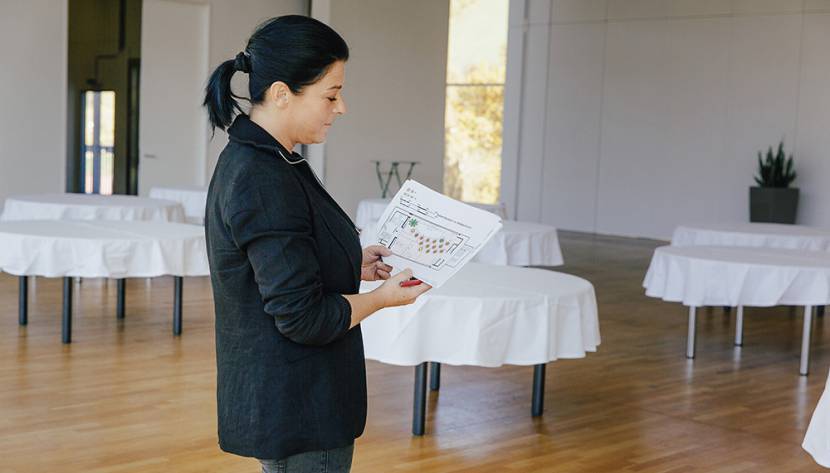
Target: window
<point>98,148</point>
<point>476,60</point>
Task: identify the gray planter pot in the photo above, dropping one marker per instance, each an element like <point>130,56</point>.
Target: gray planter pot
<point>773,204</point>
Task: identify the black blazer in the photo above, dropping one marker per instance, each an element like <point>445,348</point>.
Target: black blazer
<point>290,374</point>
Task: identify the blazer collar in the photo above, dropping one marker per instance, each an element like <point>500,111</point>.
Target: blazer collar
<point>243,130</point>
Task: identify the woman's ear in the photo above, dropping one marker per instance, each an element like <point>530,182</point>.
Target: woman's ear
<point>279,94</point>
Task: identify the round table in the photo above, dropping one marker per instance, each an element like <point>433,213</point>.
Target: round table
<point>105,249</point>
<point>767,235</point>
<point>734,276</point>
<point>90,207</point>
<point>516,244</point>
<point>487,316</point>
<point>369,211</point>
<point>522,244</point>
<point>192,198</point>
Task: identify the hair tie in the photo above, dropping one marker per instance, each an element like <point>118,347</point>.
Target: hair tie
<point>242,62</point>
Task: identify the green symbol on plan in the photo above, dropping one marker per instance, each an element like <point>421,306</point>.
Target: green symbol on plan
<point>413,222</point>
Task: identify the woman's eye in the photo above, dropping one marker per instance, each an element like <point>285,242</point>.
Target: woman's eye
<point>332,99</point>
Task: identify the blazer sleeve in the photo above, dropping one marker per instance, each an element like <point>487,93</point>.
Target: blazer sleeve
<point>269,218</point>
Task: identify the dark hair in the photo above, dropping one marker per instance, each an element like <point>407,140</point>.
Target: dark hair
<point>294,49</point>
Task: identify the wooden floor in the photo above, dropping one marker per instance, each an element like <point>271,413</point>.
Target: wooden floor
<point>129,397</point>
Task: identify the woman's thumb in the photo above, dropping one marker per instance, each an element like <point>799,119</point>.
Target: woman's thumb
<point>383,251</point>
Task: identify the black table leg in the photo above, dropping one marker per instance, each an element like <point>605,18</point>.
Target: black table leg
<point>177,306</point>
<point>434,376</point>
<point>67,310</point>
<point>538,390</point>
<point>419,404</point>
<point>23,301</point>
<point>119,307</point>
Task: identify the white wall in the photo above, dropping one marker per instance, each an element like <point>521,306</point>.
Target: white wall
<point>33,45</point>
<point>629,117</point>
<point>173,132</point>
<point>394,91</point>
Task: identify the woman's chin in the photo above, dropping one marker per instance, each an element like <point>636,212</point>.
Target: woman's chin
<point>314,140</point>
<point>321,137</point>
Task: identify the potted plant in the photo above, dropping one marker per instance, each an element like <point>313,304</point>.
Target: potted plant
<point>773,200</point>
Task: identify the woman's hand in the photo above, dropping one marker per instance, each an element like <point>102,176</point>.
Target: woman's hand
<point>391,294</point>
<point>373,268</point>
<point>388,294</point>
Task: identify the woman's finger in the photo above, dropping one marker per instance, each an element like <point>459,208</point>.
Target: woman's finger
<point>423,287</point>
<point>381,250</point>
<point>381,266</point>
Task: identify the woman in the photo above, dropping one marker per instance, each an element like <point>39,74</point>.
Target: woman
<point>285,260</point>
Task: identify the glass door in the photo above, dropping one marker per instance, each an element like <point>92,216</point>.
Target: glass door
<point>98,141</point>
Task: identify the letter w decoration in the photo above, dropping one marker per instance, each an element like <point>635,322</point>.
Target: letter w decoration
<point>385,177</point>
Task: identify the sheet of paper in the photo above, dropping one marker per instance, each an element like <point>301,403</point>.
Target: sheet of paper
<point>431,233</point>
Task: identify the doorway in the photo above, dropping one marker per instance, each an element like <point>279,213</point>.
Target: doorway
<point>104,60</point>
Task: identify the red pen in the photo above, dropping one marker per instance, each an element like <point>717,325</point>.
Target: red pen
<point>411,282</point>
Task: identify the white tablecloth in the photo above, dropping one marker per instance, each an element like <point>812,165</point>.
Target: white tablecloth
<point>193,200</point>
<point>733,276</point>
<point>516,244</point>
<point>90,207</point>
<point>522,244</point>
<point>488,316</point>
<point>369,211</point>
<point>768,235</point>
<point>817,439</point>
<point>110,249</point>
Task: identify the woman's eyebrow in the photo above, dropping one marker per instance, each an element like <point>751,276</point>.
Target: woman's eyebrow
<point>335,87</point>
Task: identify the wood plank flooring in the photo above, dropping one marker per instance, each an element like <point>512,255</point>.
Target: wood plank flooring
<point>127,396</point>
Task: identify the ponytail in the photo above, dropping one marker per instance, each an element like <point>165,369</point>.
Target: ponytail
<point>219,98</point>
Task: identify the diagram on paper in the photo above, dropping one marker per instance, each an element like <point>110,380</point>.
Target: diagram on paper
<point>415,237</point>
<point>432,234</point>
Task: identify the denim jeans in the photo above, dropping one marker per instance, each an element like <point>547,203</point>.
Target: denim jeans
<point>338,460</point>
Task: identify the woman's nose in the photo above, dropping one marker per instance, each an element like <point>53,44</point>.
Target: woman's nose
<point>341,107</point>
